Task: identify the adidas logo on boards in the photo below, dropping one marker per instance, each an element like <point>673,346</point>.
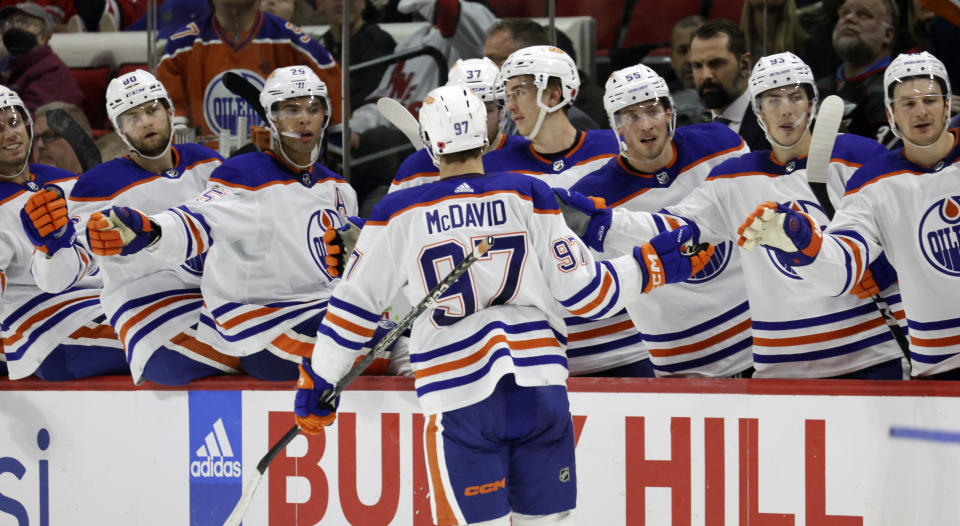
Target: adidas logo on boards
<point>464,187</point>
<point>215,449</point>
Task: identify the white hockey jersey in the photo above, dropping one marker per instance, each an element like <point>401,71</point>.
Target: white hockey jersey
<point>697,328</point>
<point>798,332</point>
<point>504,316</point>
<point>418,167</point>
<point>36,322</point>
<point>261,227</point>
<point>913,214</point>
<point>150,303</point>
<point>590,151</point>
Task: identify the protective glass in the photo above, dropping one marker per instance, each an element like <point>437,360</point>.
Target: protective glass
<point>147,111</point>
<point>520,91</point>
<point>927,92</point>
<point>778,98</point>
<point>651,110</point>
<point>313,107</point>
<point>10,118</point>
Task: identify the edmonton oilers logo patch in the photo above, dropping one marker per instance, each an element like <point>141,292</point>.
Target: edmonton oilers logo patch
<point>221,107</point>
<point>813,210</point>
<point>939,235</point>
<point>319,222</point>
<point>722,253</point>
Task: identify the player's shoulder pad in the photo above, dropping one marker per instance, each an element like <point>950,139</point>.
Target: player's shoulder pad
<point>855,150</point>
<point>45,174</point>
<point>753,163</point>
<point>275,28</point>
<point>597,142</point>
<point>106,180</point>
<point>193,154</point>
<point>600,183</point>
<point>506,184</point>
<point>321,174</point>
<point>249,171</point>
<point>512,141</point>
<point>703,141</point>
<point>880,167</point>
<point>417,164</point>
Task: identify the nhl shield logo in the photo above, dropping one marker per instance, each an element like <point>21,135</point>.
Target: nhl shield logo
<point>565,474</point>
<point>32,186</point>
<point>663,177</point>
<point>558,165</point>
<point>939,235</point>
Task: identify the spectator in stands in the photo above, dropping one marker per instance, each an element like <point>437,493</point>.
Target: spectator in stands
<point>34,70</point>
<point>63,13</point>
<point>285,9</point>
<point>173,15</point>
<point>49,147</point>
<point>511,34</point>
<point>367,42</point>
<point>236,36</point>
<point>686,101</point>
<point>721,65</point>
<point>772,26</point>
<point>863,39</point>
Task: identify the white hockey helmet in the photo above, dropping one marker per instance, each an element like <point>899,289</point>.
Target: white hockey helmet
<point>452,119</point>
<point>634,85</point>
<point>543,62</point>
<point>11,99</point>
<point>292,82</point>
<point>909,65</point>
<point>479,74</point>
<point>131,90</point>
<point>779,71</point>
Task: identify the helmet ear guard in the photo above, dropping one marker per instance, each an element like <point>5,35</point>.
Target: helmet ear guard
<point>915,65</point>
<point>452,119</point>
<point>543,62</point>
<point>781,70</point>
<point>129,91</point>
<point>634,85</point>
<point>292,82</point>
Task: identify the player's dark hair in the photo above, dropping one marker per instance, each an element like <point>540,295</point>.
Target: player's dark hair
<point>737,43</point>
<point>463,156</point>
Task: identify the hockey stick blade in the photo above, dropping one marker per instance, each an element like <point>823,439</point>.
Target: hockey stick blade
<point>398,115</point>
<point>244,89</point>
<point>82,144</point>
<point>429,301</point>
<point>823,138</point>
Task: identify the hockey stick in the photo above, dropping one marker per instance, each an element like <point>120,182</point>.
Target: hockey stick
<point>818,159</point>
<point>63,124</point>
<point>244,89</point>
<point>429,301</point>
<point>398,115</point>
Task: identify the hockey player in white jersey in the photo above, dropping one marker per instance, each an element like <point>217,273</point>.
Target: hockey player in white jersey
<point>483,77</point>
<point>488,360</point>
<point>540,83</point>
<point>58,336</point>
<point>798,332</point>
<point>905,203</point>
<point>697,328</point>
<point>153,306</point>
<point>265,224</point>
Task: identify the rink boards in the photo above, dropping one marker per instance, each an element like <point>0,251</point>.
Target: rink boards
<point>654,452</point>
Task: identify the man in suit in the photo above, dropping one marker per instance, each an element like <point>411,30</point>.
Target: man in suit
<point>721,65</point>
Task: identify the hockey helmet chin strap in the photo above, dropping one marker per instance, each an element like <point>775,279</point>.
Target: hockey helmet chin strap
<point>161,155</point>
<point>314,153</point>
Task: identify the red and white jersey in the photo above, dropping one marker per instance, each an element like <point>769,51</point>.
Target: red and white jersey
<point>700,327</point>
<point>912,213</point>
<point>149,302</point>
<point>196,57</point>
<point>798,332</point>
<point>503,316</point>
<point>261,227</point>
<point>36,322</point>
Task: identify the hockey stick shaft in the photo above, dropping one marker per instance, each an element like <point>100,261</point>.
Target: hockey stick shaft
<point>82,144</point>
<point>244,89</point>
<point>400,117</point>
<point>430,300</point>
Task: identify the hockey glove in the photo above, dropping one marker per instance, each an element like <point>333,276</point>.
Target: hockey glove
<point>333,242</point>
<point>671,257</point>
<point>588,217</point>
<point>795,235</point>
<point>119,230</point>
<point>46,222</point>
<point>311,414</point>
<point>878,276</point>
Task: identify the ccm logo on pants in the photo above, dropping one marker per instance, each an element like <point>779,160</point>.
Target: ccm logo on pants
<point>485,488</point>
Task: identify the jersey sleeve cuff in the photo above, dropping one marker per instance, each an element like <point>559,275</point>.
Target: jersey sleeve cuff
<point>171,246</point>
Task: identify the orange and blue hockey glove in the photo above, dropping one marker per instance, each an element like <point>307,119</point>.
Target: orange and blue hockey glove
<point>311,414</point>
<point>588,217</point>
<point>46,222</point>
<point>120,231</point>
<point>795,236</point>
<point>876,279</point>
<point>671,257</point>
